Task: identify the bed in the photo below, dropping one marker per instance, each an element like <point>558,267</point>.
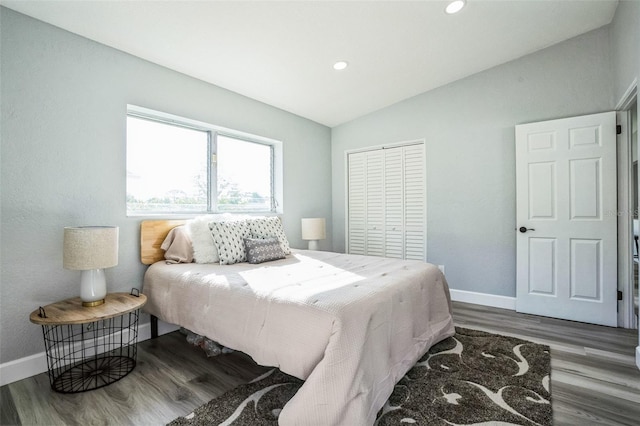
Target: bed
<point>350,326</point>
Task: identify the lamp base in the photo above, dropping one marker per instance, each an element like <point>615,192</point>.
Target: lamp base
<point>313,245</point>
<point>92,304</point>
<point>93,287</point>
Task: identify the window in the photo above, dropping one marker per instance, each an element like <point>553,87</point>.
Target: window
<point>177,165</point>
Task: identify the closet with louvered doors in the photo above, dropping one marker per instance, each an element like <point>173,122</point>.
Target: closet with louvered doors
<point>386,202</point>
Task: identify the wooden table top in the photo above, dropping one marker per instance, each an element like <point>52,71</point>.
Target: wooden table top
<point>71,311</point>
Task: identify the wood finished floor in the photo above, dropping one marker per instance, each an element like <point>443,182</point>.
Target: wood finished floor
<point>594,379</point>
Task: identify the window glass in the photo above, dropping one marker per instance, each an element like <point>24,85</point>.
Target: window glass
<point>166,167</point>
<point>244,175</point>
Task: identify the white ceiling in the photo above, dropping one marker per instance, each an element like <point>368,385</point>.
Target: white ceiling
<point>282,53</point>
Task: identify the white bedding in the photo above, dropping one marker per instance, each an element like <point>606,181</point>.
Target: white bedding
<point>350,326</point>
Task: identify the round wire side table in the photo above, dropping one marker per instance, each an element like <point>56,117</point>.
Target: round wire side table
<point>90,347</point>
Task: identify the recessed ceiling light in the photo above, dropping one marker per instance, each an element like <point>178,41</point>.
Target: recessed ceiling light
<point>455,6</point>
<point>340,65</point>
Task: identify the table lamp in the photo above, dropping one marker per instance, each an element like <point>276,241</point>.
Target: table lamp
<point>313,229</point>
<point>90,249</point>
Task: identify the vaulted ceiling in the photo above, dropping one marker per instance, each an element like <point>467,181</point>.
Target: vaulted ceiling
<point>282,53</point>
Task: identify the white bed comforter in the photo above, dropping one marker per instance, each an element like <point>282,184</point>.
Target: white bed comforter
<point>350,326</point>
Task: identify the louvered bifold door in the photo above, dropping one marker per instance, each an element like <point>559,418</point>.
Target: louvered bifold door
<point>357,181</point>
<point>394,203</point>
<point>414,202</point>
<point>375,244</point>
<point>386,202</point>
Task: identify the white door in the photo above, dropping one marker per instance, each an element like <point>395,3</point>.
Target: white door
<point>366,203</point>
<point>394,203</point>
<point>566,218</point>
<point>375,203</point>
<point>356,203</point>
<point>415,206</point>
<point>405,205</point>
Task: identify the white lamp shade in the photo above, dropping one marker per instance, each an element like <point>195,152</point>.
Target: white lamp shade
<point>90,247</point>
<point>314,228</point>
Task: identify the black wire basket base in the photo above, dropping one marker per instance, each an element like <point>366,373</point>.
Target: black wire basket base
<point>93,374</point>
<point>86,356</point>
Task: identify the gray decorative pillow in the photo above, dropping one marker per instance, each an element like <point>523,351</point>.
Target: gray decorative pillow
<point>268,227</point>
<point>229,239</point>
<point>199,230</point>
<point>263,250</point>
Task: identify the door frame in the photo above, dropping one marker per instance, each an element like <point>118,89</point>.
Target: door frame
<point>626,314</point>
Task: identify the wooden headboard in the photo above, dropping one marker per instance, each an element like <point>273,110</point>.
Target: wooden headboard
<point>152,234</point>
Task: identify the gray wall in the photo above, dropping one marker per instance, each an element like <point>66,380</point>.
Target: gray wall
<point>469,131</point>
<point>63,159</point>
<point>625,46</point>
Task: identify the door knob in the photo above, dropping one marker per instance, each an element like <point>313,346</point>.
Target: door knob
<point>524,229</point>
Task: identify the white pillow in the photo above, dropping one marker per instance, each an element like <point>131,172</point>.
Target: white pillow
<point>265,227</point>
<point>204,248</point>
<point>229,239</point>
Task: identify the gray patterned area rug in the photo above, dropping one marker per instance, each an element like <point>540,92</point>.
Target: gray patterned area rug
<point>471,378</point>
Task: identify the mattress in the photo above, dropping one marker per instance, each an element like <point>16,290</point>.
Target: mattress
<point>350,326</point>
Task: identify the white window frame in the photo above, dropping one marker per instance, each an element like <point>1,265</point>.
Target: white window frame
<point>277,204</point>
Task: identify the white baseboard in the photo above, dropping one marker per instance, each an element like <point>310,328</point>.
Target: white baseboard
<point>484,299</point>
<point>23,368</point>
